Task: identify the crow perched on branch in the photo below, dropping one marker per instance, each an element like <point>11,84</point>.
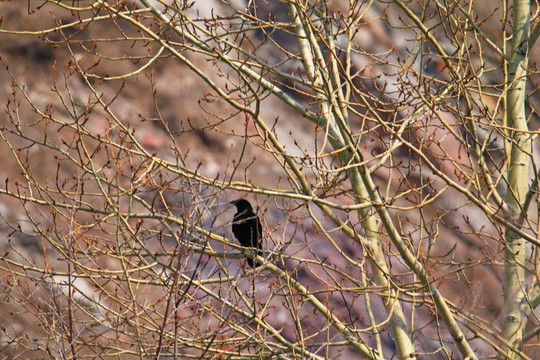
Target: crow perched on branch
<point>246,227</point>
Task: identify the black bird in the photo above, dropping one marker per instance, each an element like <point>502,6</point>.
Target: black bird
<point>246,227</point>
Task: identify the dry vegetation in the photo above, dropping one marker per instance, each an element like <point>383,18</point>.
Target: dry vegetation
<point>374,138</point>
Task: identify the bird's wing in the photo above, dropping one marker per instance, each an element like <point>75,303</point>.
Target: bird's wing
<point>259,227</point>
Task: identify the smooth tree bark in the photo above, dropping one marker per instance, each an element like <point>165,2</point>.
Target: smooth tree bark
<point>520,144</point>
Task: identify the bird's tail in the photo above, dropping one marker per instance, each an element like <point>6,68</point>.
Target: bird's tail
<point>250,261</point>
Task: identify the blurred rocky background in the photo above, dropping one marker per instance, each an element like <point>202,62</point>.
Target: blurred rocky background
<point>167,105</point>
